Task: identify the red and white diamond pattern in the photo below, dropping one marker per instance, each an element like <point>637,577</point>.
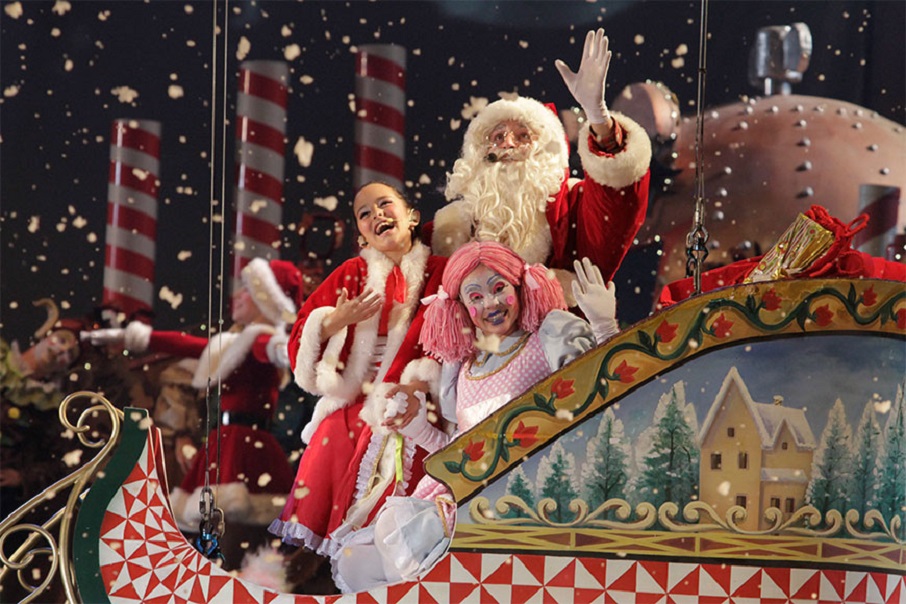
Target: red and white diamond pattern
<point>144,558</point>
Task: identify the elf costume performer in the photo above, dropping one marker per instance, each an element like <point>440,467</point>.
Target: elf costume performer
<point>355,343</point>
<point>511,182</point>
<point>246,361</point>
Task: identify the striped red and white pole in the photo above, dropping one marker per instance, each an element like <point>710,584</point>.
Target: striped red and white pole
<point>882,204</point>
<point>380,89</point>
<point>260,149</point>
<point>132,186</point>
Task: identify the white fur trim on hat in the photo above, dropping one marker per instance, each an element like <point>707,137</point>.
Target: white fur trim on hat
<point>543,122</point>
<point>623,168</point>
<point>137,336</point>
<point>268,296</point>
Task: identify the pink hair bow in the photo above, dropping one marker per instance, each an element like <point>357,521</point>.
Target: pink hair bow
<point>530,281</point>
<point>440,295</point>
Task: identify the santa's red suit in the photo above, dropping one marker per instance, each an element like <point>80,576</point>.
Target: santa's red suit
<point>353,371</point>
<point>597,217</point>
<point>253,468</point>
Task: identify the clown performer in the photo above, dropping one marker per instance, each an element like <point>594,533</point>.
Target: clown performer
<point>510,183</point>
<point>246,361</point>
<point>499,325</point>
<point>355,343</point>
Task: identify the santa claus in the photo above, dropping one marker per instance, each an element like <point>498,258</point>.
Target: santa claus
<point>511,183</point>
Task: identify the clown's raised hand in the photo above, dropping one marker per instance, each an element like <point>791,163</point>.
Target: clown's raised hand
<point>587,86</point>
<point>597,299</point>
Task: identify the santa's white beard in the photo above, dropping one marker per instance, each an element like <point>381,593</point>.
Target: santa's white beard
<point>507,200</point>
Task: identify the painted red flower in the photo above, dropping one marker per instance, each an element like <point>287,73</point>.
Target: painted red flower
<point>666,331</point>
<point>526,435</point>
<point>901,318</point>
<point>562,388</point>
<point>770,300</point>
<point>721,327</point>
<point>474,450</point>
<point>869,297</point>
<point>625,372</point>
<point>823,316</point>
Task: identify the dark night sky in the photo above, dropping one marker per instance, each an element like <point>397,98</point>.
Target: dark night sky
<point>60,61</point>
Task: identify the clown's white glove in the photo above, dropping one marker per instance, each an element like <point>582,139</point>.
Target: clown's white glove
<point>420,429</point>
<point>597,300</point>
<point>587,86</point>
<point>102,337</point>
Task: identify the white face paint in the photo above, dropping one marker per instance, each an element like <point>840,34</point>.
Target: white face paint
<point>492,301</point>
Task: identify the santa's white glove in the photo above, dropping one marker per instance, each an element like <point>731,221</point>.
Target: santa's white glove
<point>277,351</point>
<point>597,300</point>
<point>420,429</point>
<point>102,337</point>
<point>587,86</point>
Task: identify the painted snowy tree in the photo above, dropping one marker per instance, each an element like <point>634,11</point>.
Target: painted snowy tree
<point>863,486</point>
<point>556,472</point>
<point>519,486</point>
<point>670,452</point>
<point>892,463</point>
<point>832,465</point>
<point>606,472</point>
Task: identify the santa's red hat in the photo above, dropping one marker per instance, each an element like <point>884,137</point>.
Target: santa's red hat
<point>275,287</point>
<point>541,119</point>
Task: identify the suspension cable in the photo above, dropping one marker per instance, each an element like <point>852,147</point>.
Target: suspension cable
<point>697,238</point>
<point>211,524</point>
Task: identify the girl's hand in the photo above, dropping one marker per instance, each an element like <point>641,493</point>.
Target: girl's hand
<point>349,312</point>
<point>401,420</point>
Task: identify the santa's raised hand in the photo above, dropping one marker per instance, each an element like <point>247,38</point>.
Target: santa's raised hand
<point>587,85</point>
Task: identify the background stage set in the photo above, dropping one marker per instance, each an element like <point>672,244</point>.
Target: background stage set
<point>150,150</point>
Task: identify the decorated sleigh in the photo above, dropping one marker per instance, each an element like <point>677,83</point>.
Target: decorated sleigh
<point>745,445</point>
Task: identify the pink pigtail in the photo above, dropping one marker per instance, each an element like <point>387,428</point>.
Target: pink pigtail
<point>538,301</point>
<point>447,332</point>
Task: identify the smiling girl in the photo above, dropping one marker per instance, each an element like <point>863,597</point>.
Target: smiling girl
<point>355,343</point>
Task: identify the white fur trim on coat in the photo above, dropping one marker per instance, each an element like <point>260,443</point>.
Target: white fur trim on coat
<point>342,385</point>
<point>310,353</point>
<point>623,168</point>
<point>452,228</point>
<point>277,352</point>
<point>137,336</point>
<point>225,352</point>
<point>425,370</point>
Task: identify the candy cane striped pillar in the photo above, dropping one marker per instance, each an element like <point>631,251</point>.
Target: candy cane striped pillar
<point>133,182</point>
<point>380,88</point>
<point>260,146</point>
<point>882,204</point>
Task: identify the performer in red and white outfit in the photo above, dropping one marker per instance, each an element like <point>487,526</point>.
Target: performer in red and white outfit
<point>355,343</point>
<point>246,361</point>
<point>511,183</point>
